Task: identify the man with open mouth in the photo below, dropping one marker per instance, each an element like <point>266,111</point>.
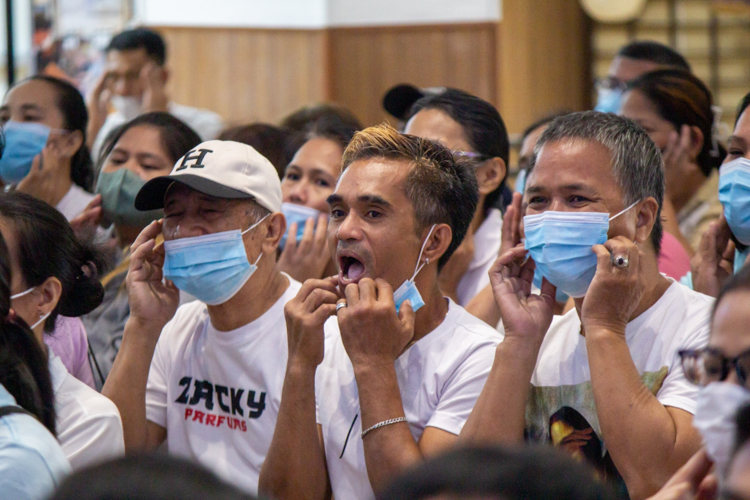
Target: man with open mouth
<point>393,375</point>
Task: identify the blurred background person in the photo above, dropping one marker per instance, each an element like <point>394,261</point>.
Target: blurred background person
<point>44,121</point>
<point>133,83</point>
<point>277,144</point>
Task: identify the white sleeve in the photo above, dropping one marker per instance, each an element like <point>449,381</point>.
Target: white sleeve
<point>158,377</point>
<point>677,391</point>
<point>462,389</point>
<point>97,437</point>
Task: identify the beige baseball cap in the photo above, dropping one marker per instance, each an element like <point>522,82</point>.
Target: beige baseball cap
<point>225,169</point>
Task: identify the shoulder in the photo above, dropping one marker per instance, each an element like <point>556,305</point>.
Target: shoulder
<point>187,317</point>
<point>90,404</point>
<point>197,118</point>
<point>471,328</point>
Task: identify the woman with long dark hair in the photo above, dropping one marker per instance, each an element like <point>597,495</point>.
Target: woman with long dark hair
<point>32,463</point>
<point>54,273</point>
<point>44,121</point>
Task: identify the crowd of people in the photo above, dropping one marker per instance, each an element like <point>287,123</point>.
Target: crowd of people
<point>317,309</point>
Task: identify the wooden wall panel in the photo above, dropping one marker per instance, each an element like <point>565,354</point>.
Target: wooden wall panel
<point>544,60</point>
<point>366,62</point>
<point>246,74</point>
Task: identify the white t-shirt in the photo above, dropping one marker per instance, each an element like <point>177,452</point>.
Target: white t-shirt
<point>89,428</point>
<point>217,393</point>
<point>439,377</point>
<point>486,247</point>
<point>74,202</point>
<point>561,401</point>
<point>206,124</point>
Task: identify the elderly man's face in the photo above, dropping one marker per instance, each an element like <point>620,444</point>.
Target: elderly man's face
<point>189,213</point>
<point>372,227</point>
<point>576,176</point>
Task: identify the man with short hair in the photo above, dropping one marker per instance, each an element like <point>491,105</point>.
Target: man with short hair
<point>603,381</point>
<point>206,379</point>
<point>633,60</point>
<point>133,83</point>
<point>392,378</point>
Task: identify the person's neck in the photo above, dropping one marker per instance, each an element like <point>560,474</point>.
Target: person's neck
<point>261,291</point>
<point>62,185</point>
<point>692,184</point>
<point>655,285</point>
<point>479,216</point>
<point>432,314</point>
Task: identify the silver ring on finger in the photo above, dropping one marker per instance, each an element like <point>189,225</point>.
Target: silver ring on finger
<point>620,262</point>
<point>340,305</point>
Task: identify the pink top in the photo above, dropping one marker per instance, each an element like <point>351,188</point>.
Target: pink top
<point>71,345</point>
<point>673,259</point>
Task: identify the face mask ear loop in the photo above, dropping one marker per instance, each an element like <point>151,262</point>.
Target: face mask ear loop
<point>623,211</point>
<point>255,225</point>
<point>41,319</point>
<point>22,293</point>
<point>421,264</point>
<point>258,259</point>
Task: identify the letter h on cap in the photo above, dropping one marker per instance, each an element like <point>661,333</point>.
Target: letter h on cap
<point>191,156</point>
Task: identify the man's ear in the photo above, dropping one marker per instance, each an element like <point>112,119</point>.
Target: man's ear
<point>646,219</point>
<point>490,174</point>
<point>51,290</point>
<point>438,243</point>
<point>275,229</point>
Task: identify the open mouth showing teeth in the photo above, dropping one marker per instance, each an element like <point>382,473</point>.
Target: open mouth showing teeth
<point>351,268</point>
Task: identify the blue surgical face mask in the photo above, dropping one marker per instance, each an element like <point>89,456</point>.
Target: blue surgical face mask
<point>560,244</point>
<point>734,194</point>
<point>408,289</point>
<point>23,141</point>
<point>521,181</point>
<point>609,100</point>
<point>298,214</point>
<point>212,267</point>
<point>560,296</point>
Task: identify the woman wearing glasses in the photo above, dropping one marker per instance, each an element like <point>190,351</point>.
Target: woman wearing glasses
<point>722,369</point>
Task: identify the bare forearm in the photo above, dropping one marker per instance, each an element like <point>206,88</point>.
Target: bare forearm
<point>295,463</point>
<point>484,307</point>
<point>389,450</point>
<point>648,453</point>
<point>126,383</point>
<point>499,413</point>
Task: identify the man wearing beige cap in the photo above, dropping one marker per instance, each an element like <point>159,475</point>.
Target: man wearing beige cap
<point>207,377</point>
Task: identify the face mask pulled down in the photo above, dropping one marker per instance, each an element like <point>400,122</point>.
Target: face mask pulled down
<point>212,267</point>
<point>560,244</point>
<point>408,289</point>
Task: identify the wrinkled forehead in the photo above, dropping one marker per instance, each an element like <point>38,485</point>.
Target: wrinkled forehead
<point>586,158</point>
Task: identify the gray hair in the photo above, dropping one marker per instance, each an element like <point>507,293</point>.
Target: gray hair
<point>637,165</point>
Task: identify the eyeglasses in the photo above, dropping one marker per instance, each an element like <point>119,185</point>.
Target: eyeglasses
<point>610,83</point>
<point>703,366</point>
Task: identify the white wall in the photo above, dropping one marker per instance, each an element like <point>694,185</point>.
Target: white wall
<point>313,14</point>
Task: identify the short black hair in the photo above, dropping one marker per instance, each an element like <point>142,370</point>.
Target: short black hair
<point>482,125</point>
<point>647,50</point>
<point>276,144</point>
<point>152,477</point>
<point>24,368</point>
<point>305,117</point>
<point>48,247</point>
<point>140,38</point>
<point>523,473</point>
<point>441,188</point>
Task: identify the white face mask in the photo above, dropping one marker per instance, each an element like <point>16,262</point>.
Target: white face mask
<point>26,292</point>
<point>716,408</point>
<point>130,107</point>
